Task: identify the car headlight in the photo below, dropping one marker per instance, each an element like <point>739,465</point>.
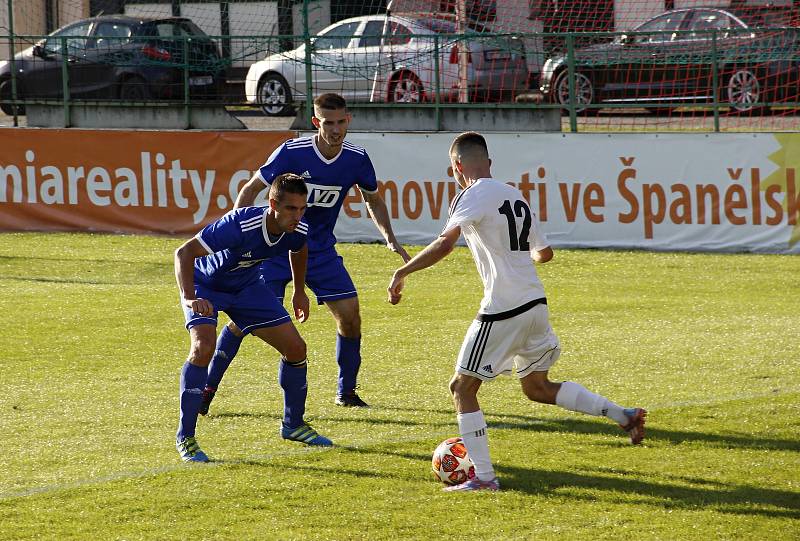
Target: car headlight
<point>4,65</point>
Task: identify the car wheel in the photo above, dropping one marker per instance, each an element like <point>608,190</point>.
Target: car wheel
<point>133,89</point>
<point>274,96</point>
<point>5,97</point>
<point>743,91</point>
<point>584,92</point>
<point>407,88</point>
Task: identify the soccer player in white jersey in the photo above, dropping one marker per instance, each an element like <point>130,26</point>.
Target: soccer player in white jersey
<point>511,329</point>
<point>331,167</point>
<point>218,270</point>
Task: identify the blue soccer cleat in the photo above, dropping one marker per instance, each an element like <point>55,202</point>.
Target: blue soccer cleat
<point>190,451</point>
<point>305,434</point>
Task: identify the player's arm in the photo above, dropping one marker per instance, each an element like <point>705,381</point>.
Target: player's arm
<point>380,216</point>
<point>543,255</point>
<point>249,192</point>
<point>299,263</point>
<point>430,255</point>
<point>184,273</point>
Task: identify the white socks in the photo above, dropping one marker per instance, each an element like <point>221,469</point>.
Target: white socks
<point>575,397</point>
<point>472,427</point>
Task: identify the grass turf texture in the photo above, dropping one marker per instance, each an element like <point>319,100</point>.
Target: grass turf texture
<point>89,399</point>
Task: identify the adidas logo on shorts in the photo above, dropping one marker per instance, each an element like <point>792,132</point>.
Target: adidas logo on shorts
<point>487,368</point>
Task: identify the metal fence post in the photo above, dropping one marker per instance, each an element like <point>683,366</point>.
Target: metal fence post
<point>12,62</point>
<point>573,115</point>
<point>437,85</point>
<point>309,86</point>
<point>187,111</point>
<point>65,80</point>
<point>715,79</point>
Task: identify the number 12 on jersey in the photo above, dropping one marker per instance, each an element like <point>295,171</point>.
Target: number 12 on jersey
<point>521,210</point>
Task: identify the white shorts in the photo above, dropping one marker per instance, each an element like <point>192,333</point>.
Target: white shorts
<point>525,343</point>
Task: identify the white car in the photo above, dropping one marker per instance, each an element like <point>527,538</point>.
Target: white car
<point>349,58</point>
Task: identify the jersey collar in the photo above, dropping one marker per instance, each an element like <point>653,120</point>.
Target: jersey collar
<point>265,231</point>
<point>319,154</point>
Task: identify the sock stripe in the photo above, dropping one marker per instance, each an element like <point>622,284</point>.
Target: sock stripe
<point>295,364</point>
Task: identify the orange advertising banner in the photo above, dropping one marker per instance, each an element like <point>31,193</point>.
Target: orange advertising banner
<point>166,182</point>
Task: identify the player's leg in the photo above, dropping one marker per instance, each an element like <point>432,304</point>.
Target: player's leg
<point>227,347</point>
<point>193,377</point>
<point>292,376</point>
<point>575,397</point>
<point>473,366</point>
<point>347,314</point>
<point>228,344</point>
<point>331,283</point>
<point>473,430</point>
<point>539,353</point>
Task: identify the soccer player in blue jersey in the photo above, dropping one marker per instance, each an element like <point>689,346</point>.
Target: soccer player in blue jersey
<point>331,166</point>
<point>219,270</point>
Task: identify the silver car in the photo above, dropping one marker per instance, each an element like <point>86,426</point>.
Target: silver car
<point>350,58</point>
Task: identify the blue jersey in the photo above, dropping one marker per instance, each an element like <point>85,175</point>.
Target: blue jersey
<point>236,244</point>
<point>328,182</point>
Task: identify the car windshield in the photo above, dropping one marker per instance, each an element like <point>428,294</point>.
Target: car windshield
<point>445,26</point>
<point>170,28</point>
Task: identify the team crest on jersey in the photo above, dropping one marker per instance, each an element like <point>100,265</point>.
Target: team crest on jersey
<point>323,196</point>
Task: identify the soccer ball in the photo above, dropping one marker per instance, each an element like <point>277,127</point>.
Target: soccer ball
<point>451,464</point>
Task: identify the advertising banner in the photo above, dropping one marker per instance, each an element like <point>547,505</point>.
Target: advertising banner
<point>717,192</point>
<point>170,182</point>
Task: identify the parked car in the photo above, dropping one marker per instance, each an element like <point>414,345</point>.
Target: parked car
<point>351,58</point>
<point>117,57</point>
<point>669,59</point>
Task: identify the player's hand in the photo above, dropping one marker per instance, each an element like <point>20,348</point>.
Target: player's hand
<point>397,248</point>
<point>301,305</point>
<point>395,288</point>
<point>199,306</point>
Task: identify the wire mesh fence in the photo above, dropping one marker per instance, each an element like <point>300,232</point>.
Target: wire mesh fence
<point>606,65</point>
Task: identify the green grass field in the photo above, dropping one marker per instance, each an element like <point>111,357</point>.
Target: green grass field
<point>94,341</point>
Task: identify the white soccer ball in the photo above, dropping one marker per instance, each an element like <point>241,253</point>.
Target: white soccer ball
<point>451,464</point>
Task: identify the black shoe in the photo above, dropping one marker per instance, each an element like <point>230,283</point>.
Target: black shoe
<point>350,400</point>
<point>205,401</point>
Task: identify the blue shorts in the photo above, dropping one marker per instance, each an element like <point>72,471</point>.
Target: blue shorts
<point>325,275</point>
<point>251,308</point>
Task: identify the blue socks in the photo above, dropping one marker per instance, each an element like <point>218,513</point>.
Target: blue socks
<point>348,357</point>
<point>227,348</point>
<point>192,379</point>
<point>292,378</point>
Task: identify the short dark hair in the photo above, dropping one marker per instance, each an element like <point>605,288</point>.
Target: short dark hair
<point>330,101</point>
<point>287,183</point>
<point>468,142</point>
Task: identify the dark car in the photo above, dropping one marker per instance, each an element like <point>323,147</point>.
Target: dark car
<point>116,57</point>
<point>670,60</point>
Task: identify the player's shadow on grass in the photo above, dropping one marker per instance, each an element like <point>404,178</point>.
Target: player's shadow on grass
<point>653,432</point>
<point>374,418</point>
<point>56,280</point>
<point>618,487</point>
<point>589,425</point>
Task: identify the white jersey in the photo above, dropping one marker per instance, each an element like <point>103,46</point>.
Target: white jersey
<point>501,232</point>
